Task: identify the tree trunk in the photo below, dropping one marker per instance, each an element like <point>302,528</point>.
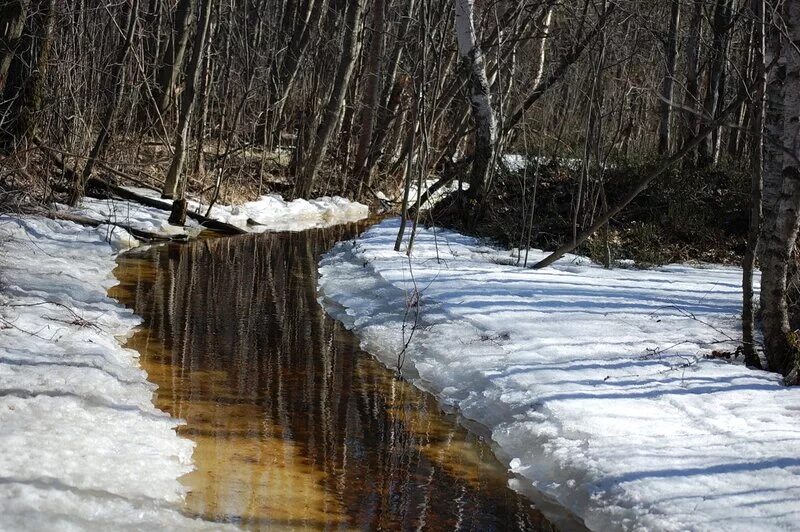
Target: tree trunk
<point>716,74</point>
<point>12,22</point>
<point>172,61</point>
<point>541,45</point>
<point>350,48</point>
<point>756,173</point>
<point>691,99</point>
<point>773,129</point>
<point>283,75</point>
<point>781,344</point>
<point>187,104</point>
<point>393,87</point>
<point>670,54</point>
<point>479,98</point>
<point>26,90</point>
<point>371,90</point>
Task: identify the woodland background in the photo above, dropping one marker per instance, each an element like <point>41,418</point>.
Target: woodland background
<point>644,129</point>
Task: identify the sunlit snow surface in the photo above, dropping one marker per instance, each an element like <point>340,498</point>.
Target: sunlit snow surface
<point>592,381</point>
<point>268,213</point>
<point>82,445</point>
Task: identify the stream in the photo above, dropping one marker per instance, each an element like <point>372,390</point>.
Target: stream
<point>295,426</point>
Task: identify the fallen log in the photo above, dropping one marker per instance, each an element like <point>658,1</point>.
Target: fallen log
<point>139,234</point>
<point>127,194</point>
<point>124,193</point>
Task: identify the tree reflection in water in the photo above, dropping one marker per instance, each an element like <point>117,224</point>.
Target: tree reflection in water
<point>295,426</point>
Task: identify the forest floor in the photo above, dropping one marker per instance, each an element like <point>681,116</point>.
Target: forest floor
<point>687,214</point>
<point>83,445</point>
<point>616,391</point>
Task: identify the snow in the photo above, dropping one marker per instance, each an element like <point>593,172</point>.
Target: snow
<point>593,382</point>
<point>83,445</point>
<point>134,215</point>
<point>273,213</point>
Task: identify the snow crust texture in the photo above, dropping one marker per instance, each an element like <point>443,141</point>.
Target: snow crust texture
<point>273,213</point>
<point>83,447</point>
<point>593,382</point>
<point>268,213</point>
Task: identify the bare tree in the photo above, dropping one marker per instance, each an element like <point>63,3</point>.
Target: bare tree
<point>351,46</point>
<point>479,97</point>
<point>117,86</point>
<point>24,95</point>
<point>172,61</point>
<point>372,85</point>
<point>171,185</point>
<point>756,179</point>
<point>670,55</point>
<point>12,22</point>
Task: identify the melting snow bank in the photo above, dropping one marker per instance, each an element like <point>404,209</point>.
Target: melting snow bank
<point>83,447</point>
<point>268,213</point>
<point>272,213</point>
<point>592,381</point>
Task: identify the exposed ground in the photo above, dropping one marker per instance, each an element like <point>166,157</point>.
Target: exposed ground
<point>686,215</point>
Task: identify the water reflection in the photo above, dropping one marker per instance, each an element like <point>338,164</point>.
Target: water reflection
<point>295,426</point>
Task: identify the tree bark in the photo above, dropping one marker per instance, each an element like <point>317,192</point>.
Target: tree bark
<point>391,95</point>
<point>670,54</point>
<point>780,342</point>
<point>283,74</point>
<point>541,45</point>
<point>350,48</point>
<point>716,74</point>
<point>691,99</point>
<point>172,61</point>
<point>26,90</point>
<point>479,98</point>
<point>187,104</point>
<point>372,88</point>
<point>12,22</point>
<point>773,129</point>
<point>756,175</point>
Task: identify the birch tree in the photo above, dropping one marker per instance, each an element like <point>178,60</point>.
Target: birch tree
<point>479,97</point>
<point>781,343</point>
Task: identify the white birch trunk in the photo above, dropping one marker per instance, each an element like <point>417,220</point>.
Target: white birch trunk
<point>480,97</point>
<point>781,349</point>
<point>542,46</point>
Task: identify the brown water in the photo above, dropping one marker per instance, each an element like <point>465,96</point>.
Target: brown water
<point>295,426</point>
